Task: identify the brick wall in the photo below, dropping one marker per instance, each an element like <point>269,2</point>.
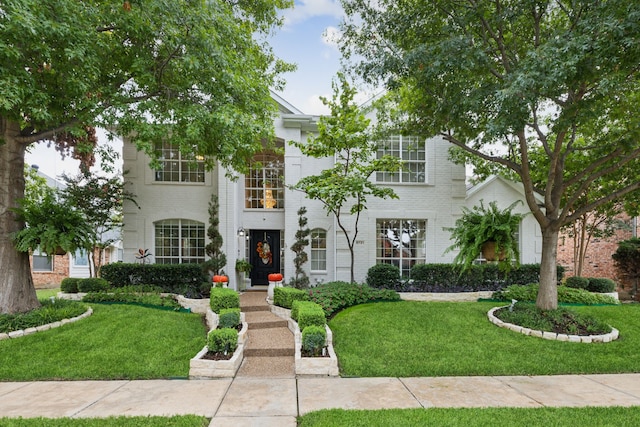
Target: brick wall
<point>51,279</point>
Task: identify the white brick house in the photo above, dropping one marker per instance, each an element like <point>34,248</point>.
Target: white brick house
<point>258,212</point>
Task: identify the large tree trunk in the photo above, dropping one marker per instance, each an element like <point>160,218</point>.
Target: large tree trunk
<point>548,292</point>
<point>17,293</point>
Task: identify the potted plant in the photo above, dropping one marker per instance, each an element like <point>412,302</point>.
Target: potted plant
<point>489,231</point>
<point>243,266</point>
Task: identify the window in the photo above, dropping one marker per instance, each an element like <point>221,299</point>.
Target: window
<point>411,150</point>
<point>81,258</point>
<point>318,250</point>
<point>179,241</point>
<point>175,167</point>
<point>42,261</point>
<point>401,242</point>
<point>264,184</point>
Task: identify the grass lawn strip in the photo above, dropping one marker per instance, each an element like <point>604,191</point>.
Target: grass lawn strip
<point>418,339</point>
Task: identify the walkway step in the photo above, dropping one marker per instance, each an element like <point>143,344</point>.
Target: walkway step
<point>267,367</point>
<point>255,308</point>
<point>268,352</point>
<point>269,338</point>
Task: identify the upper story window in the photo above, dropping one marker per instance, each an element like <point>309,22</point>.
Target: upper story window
<point>411,150</point>
<point>179,241</point>
<point>176,167</point>
<point>401,242</point>
<point>318,249</point>
<point>264,184</point>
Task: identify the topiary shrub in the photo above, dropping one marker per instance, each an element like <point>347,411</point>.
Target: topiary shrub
<point>311,314</point>
<point>93,284</point>
<point>229,318</point>
<point>222,340</point>
<point>383,276</point>
<point>313,339</point>
<point>223,298</point>
<point>295,307</point>
<point>285,296</point>
<point>69,285</point>
<point>601,285</point>
<point>577,282</point>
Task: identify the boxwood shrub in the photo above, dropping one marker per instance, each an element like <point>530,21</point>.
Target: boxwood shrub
<point>183,279</point>
<point>222,340</point>
<point>601,284</point>
<point>93,284</point>
<point>383,276</point>
<point>229,318</point>
<point>577,282</point>
<point>284,296</point>
<point>310,314</point>
<point>297,304</point>
<point>313,339</point>
<point>336,296</point>
<point>223,298</point>
<point>69,285</point>
<point>566,295</point>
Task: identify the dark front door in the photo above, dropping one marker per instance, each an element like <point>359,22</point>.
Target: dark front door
<point>264,255</point>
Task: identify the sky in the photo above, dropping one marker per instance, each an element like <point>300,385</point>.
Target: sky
<point>304,39</point>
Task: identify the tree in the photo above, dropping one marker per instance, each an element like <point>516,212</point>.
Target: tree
<point>344,135</point>
<point>217,259</point>
<point>198,72</point>
<point>503,80</point>
<point>99,199</point>
<point>627,261</point>
<point>301,280</point>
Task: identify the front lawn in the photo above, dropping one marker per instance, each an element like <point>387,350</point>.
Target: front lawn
<point>406,339</point>
<point>116,342</point>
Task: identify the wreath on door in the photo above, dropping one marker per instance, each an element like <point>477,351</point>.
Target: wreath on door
<point>264,251</point>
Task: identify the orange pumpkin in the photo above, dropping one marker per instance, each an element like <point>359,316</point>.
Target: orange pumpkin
<point>220,279</point>
<point>275,277</point>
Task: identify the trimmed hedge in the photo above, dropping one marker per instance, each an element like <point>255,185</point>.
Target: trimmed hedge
<point>383,276</point>
<point>591,284</point>
<point>577,282</point>
<point>484,277</point>
<point>229,318</point>
<point>69,285</point>
<point>336,296</point>
<point>183,279</point>
<point>565,295</point>
<point>313,339</point>
<point>221,340</point>
<point>93,284</point>
<point>284,296</point>
<point>297,304</point>
<point>310,315</point>
<point>223,298</point>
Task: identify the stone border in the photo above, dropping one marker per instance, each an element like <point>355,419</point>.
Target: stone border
<point>24,332</point>
<point>611,336</point>
<point>445,296</point>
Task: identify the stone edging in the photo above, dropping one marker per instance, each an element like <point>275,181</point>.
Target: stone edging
<point>611,336</point>
<point>29,331</point>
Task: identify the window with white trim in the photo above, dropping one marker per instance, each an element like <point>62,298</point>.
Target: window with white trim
<point>264,183</point>
<point>179,241</point>
<point>411,150</point>
<point>176,167</point>
<point>401,242</point>
<point>318,240</point>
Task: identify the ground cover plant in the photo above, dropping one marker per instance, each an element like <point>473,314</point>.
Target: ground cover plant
<point>495,417</point>
<point>336,296</point>
<point>175,421</point>
<point>52,310</point>
<point>566,295</point>
<point>116,342</point>
<point>405,339</point>
<point>143,295</point>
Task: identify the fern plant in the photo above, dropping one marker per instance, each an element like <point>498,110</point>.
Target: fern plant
<point>481,225</point>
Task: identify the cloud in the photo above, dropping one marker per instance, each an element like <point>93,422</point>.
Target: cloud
<point>307,9</point>
<point>331,36</point>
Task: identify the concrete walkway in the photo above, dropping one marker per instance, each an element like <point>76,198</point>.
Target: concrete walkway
<point>277,401</point>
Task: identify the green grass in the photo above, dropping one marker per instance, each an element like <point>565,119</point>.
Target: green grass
<point>47,293</point>
<point>176,421</point>
<point>405,339</point>
<point>493,417</point>
<point>116,342</point>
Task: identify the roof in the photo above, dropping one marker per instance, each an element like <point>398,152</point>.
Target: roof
<point>517,186</point>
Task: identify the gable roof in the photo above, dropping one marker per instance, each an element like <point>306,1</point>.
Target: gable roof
<point>516,186</point>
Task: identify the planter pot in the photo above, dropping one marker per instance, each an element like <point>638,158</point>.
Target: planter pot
<point>200,368</point>
<point>272,286</point>
<point>489,252</point>
<point>314,366</point>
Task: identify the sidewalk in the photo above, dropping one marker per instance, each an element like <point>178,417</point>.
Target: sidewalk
<point>277,401</point>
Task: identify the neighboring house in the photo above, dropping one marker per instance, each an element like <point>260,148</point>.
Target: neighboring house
<point>258,212</point>
<point>48,271</point>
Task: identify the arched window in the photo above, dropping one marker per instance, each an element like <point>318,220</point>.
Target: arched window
<point>179,241</point>
<point>318,249</point>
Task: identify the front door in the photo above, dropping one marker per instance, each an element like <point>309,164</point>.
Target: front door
<point>264,255</point>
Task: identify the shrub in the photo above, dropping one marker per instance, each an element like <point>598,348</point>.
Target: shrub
<point>601,284</point>
<point>336,296</point>
<point>49,312</point>
<point>223,298</point>
<point>310,314</point>
<point>565,295</point>
<point>313,339</point>
<point>229,318</point>
<point>577,282</point>
<point>184,279</point>
<point>383,276</point>
<point>93,284</point>
<point>285,296</point>
<point>222,340</point>
<point>140,294</point>
<point>297,305</point>
<point>69,285</point>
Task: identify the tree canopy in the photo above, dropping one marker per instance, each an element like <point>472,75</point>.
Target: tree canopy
<point>546,90</point>
<point>198,72</point>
